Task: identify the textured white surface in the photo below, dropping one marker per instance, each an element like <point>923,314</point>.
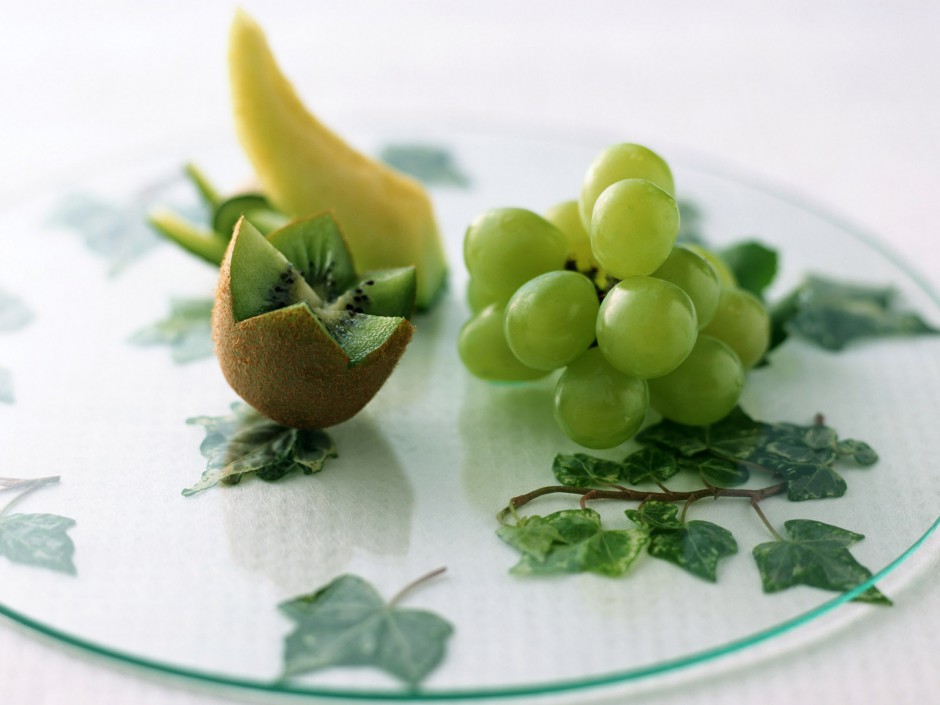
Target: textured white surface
<point>837,101</point>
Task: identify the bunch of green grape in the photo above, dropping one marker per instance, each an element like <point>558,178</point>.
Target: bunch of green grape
<point>599,288</point>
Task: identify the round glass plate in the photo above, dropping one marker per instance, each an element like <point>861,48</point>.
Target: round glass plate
<point>191,585</point>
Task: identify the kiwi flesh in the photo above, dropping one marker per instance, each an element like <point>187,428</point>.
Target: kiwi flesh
<point>299,335</point>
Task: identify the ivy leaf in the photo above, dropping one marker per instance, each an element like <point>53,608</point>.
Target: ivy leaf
<point>806,480</point>
<point>649,465</point>
<point>38,539</point>
<point>718,472</point>
<point>581,545</point>
<point>737,435</point>
<point>834,314</point>
<point>695,546</point>
<point>813,482</point>
<point>656,515</point>
<point>754,265</point>
<point>246,441</point>
<point>859,451</point>
<point>801,455</point>
<point>6,387</point>
<point>532,536</point>
<point>13,313</point>
<point>347,623</point>
<point>672,436</point>
<point>187,330</point>
<point>582,470</point>
<point>817,555</point>
<point>428,163</point>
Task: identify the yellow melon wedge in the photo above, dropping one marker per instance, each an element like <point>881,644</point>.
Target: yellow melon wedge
<point>305,168</point>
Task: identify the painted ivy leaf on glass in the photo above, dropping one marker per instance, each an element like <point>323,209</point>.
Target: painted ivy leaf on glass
<point>115,230</point>
<point>348,623</point>
<point>432,164</point>
<point>40,540</point>
<point>833,315</point>
<point>187,330</point>
<point>695,546</point>
<point>14,314</point>
<point>572,541</point>
<point>815,554</point>
<point>247,442</point>
<point>6,387</point>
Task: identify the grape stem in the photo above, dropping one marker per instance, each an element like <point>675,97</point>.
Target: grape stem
<point>631,495</point>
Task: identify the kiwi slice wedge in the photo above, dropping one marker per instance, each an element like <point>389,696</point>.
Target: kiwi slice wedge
<point>299,334</point>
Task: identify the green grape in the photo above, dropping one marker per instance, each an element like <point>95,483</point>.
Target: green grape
<point>646,326</point>
<point>484,352</point>
<point>704,388</point>
<point>695,277</point>
<point>619,162</point>
<point>634,227</point>
<point>506,247</point>
<point>741,321</point>
<point>598,406</point>
<point>566,217</point>
<point>478,296</point>
<point>725,275</point>
<point>550,320</point>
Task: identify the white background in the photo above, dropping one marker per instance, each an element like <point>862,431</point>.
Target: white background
<point>836,101</point>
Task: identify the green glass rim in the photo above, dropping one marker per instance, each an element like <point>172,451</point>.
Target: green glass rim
<point>554,687</point>
<point>689,161</point>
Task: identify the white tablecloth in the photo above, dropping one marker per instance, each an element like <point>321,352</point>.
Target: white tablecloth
<point>836,101</point>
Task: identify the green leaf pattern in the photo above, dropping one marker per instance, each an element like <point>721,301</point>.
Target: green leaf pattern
<point>347,623</point>
<point>6,386</point>
<point>187,330</point>
<point>14,315</point>
<point>434,165</point>
<point>39,540</point>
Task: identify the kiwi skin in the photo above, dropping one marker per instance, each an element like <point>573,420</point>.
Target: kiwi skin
<point>285,364</point>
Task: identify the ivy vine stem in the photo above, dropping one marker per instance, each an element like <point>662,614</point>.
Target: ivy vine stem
<point>766,521</point>
<point>413,584</point>
<point>24,487</point>
<point>632,495</point>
